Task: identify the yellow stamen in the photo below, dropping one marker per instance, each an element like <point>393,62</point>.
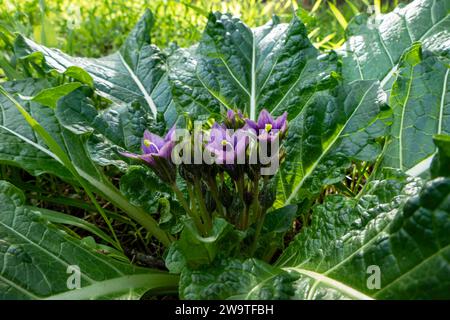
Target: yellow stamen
<point>148,143</point>
<point>224,142</point>
<point>268,127</point>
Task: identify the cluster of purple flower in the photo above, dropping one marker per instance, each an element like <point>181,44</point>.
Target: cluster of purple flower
<point>235,146</point>
<point>228,141</point>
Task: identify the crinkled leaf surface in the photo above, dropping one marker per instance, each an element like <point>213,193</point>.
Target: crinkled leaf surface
<point>420,99</point>
<point>35,256</point>
<point>143,188</point>
<point>19,144</point>
<point>276,223</point>
<point>396,226</point>
<point>116,128</point>
<point>330,130</point>
<point>407,242</point>
<point>137,72</point>
<point>273,66</point>
<point>234,279</point>
<point>440,166</point>
<point>375,44</point>
<point>72,143</point>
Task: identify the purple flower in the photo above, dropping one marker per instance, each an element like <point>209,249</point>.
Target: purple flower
<point>156,152</point>
<point>267,127</point>
<point>228,147</point>
<point>234,119</point>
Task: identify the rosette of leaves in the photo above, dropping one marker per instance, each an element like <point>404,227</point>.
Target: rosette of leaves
<point>399,227</point>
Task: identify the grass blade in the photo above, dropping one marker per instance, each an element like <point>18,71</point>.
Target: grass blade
<point>316,6</point>
<point>62,218</point>
<point>338,15</point>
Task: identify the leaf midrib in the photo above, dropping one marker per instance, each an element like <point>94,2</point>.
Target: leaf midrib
<point>118,285</point>
<point>330,145</point>
<point>19,288</point>
<point>320,278</point>
<point>400,133</point>
<point>47,252</point>
<point>388,75</point>
<point>413,268</point>
<point>138,82</point>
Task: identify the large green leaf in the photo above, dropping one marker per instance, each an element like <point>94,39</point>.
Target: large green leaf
<point>276,67</point>
<point>276,223</point>
<point>420,100</point>
<point>19,144</point>
<point>332,129</point>
<point>35,256</point>
<point>441,161</point>
<point>396,229</point>
<point>234,279</point>
<point>337,215</point>
<point>375,45</point>
<point>194,250</point>
<point>72,144</point>
<point>116,128</point>
<point>137,72</point>
<point>273,66</point>
<point>408,243</point>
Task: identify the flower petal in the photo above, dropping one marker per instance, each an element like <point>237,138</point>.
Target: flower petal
<point>280,121</point>
<point>154,138</point>
<point>264,118</point>
<point>230,114</point>
<point>252,125</point>
<point>170,135</point>
<point>130,155</point>
<point>217,133</point>
<point>166,151</point>
<point>150,148</point>
<point>148,158</point>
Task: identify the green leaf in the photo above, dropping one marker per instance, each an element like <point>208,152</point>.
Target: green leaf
<point>49,97</point>
<point>174,259</point>
<point>198,250</point>
<point>376,44</point>
<point>137,72</point>
<point>337,215</point>
<point>70,147</point>
<point>420,100</point>
<point>332,129</point>
<point>35,256</point>
<point>280,220</point>
<point>274,66</point>
<point>441,161</point>
<point>80,75</point>
<point>397,228</point>
<point>19,144</point>
<point>276,224</point>
<point>407,242</point>
<point>62,218</point>
<point>144,189</point>
<point>116,128</point>
<point>234,279</point>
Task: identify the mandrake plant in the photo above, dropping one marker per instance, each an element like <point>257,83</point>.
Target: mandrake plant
<point>375,110</point>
